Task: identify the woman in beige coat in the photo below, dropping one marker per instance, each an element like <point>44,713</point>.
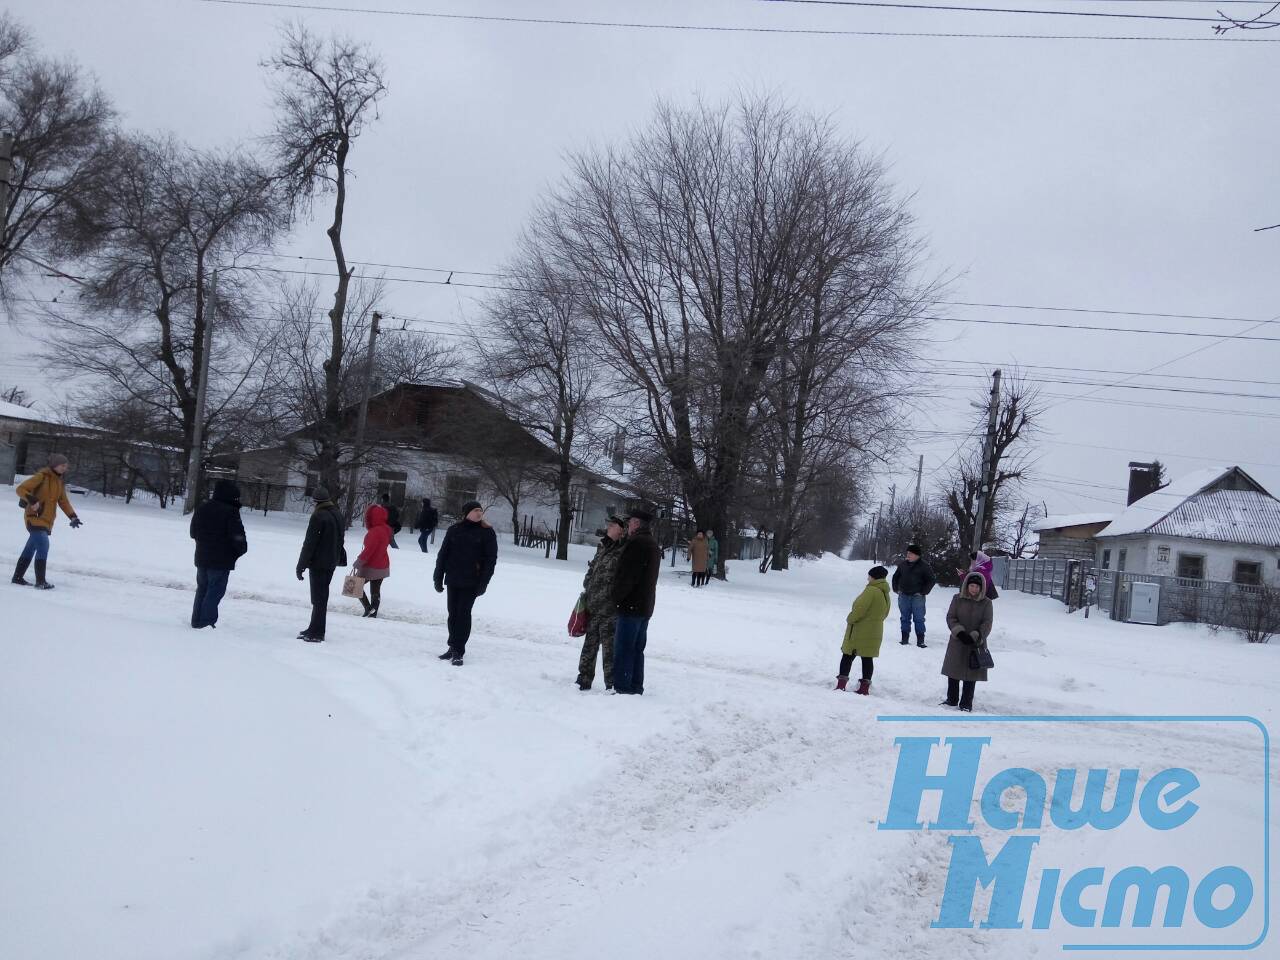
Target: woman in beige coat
<point>969,618</point>
<point>699,552</point>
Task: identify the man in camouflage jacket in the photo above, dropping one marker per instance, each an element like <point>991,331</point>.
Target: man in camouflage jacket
<point>598,584</point>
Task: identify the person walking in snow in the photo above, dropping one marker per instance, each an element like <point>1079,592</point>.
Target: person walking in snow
<point>374,563</point>
<point>220,541</point>
<point>699,551</point>
<point>864,630</point>
<point>322,553</point>
<point>393,519</point>
<point>428,520</point>
<point>969,618</point>
<point>465,564</point>
<point>602,611</point>
<point>40,496</point>
<point>912,581</point>
<point>635,588</point>
<point>713,555</point>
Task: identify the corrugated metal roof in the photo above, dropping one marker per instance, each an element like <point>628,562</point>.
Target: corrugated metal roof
<point>1140,515</point>
<point>1231,516</point>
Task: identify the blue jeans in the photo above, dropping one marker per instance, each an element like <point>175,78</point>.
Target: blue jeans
<point>629,639</point>
<point>37,545</point>
<point>210,587</point>
<point>911,606</point>
<point>425,537</point>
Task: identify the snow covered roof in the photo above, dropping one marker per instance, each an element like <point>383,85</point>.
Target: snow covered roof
<point>1200,505</point>
<point>1072,520</point>
<point>14,411</point>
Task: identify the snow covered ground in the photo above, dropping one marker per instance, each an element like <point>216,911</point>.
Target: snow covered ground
<point>172,794</point>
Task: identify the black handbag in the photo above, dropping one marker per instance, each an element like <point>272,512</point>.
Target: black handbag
<point>980,658</point>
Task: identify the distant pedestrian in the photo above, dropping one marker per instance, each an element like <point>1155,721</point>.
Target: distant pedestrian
<point>969,617</point>
<point>465,563</point>
<point>699,552</point>
<point>40,496</point>
<point>602,611</point>
<point>373,564</point>
<point>322,553</point>
<point>864,630</point>
<point>980,562</point>
<point>713,554</point>
<point>393,518</point>
<point>634,591</point>
<point>220,541</point>
<point>428,520</point>
<point>912,581</point>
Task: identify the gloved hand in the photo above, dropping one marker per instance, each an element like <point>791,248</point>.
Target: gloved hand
<point>76,523</point>
<point>299,572</point>
<point>975,638</point>
<point>439,587</point>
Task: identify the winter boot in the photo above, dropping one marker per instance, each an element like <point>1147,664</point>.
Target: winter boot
<point>309,638</point>
<point>864,687</point>
<point>447,655</point>
<point>841,682</point>
<point>906,638</point>
<point>583,685</point>
<point>920,641</point>
<point>457,658</point>
<point>948,703</point>
<point>41,582</point>
<point>366,604</point>
<point>19,573</point>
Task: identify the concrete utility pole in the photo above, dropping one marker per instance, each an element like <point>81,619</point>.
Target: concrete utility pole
<point>362,417</point>
<point>196,462</point>
<point>919,476</point>
<point>893,497</point>
<point>988,468</point>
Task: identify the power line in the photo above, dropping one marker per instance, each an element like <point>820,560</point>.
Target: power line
<point>1120,386</point>
<point>1136,373</point>
<point>721,28</point>
<point>887,4</point>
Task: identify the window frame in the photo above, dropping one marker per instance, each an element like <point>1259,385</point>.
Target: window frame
<point>1235,573</point>
<point>1200,558</point>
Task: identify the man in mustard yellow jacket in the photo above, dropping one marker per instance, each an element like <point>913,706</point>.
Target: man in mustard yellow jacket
<point>40,496</point>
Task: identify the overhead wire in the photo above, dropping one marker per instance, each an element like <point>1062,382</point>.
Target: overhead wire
<point>894,5</point>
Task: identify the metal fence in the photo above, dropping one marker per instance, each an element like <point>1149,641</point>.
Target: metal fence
<point>1065,580</point>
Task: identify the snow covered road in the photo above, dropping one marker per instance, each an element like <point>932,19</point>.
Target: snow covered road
<point>192,795</point>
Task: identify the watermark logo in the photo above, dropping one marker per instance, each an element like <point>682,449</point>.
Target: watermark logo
<point>1164,848</point>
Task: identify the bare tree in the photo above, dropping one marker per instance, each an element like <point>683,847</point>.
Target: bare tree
<point>327,92</point>
<point>688,249</point>
<point>1017,423</point>
<point>163,219</point>
<point>537,357</point>
<point>60,122</point>
<point>16,395</point>
<point>1017,532</point>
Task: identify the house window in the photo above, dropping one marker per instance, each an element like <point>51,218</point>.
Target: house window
<point>1190,566</point>
<point>1248,573</point>
<point>391,482</point>
<point>459,488</point>
<point>312,481</point>
<point>1106,559</point>
<point>1120,558</point>
<point>578,505</point>
<point>1162,554</point>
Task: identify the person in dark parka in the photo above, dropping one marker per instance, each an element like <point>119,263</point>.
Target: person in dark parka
<point>912,581</point>
<point>322,553</point>
<point>428,518</point>
<point>465,563</point>
<point>220,542</point>
<point>970,618</point>
<point>635,588</point>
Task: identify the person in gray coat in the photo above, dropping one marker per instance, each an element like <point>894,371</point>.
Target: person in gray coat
<point>969,619</point>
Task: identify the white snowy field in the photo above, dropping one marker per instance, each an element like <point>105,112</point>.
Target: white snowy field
<point>171,794</point>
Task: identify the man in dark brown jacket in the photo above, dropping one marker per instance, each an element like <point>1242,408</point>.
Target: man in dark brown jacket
<point>634,590</point>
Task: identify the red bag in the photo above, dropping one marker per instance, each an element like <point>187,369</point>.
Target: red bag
<point>579,619</point>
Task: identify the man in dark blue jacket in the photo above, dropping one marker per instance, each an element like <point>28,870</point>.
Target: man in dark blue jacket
<point>220,541</point>
<point>912,582</point>
<point>465,563</point>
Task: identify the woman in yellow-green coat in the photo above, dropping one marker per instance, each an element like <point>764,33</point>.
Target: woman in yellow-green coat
<point>865,629</point>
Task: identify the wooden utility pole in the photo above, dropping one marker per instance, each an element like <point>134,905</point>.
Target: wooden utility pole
<point>362,417</point>
<point>987,479</point>
<point>196,462</point>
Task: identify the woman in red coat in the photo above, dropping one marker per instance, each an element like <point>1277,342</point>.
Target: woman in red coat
<point>373,563</point>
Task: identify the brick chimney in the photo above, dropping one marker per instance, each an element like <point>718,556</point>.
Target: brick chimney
<point>1144,478</point>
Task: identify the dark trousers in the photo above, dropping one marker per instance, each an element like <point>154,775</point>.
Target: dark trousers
<point>375,593</point>
<point>954,696</point>
<point>460,602</point>
<point>629,639</point>
<point>211,585</point>
<point>868,665</point>
<point>426,537</point>
<point>320,579</point>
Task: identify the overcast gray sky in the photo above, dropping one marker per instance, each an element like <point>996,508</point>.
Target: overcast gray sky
<point>1119,175</point>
